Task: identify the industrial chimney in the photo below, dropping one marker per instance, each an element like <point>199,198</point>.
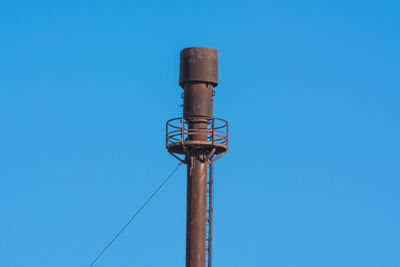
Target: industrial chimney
<point>198,140</point>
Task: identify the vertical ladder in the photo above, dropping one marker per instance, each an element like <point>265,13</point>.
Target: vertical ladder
<point>210,207</point>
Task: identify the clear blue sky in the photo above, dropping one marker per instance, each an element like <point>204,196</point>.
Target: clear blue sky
<point>311,90</point>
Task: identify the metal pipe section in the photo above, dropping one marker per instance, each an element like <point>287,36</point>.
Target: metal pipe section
<point>196,212</point>
<point>198,75</point>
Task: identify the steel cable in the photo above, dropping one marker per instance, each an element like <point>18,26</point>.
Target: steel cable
<point>133,217</point>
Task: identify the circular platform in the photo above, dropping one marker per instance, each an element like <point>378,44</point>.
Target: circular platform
<point>179,137</point>
<point>179,148</point>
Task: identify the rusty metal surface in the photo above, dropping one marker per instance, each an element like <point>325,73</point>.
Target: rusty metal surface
<point>196,211</point>
<point>197,100</point>
<point>198,64</point>
<point>202,139</point>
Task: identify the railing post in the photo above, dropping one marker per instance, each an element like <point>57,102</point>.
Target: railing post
<point>212,131</point>
<point>227,133</point>
<point>166,135</point>
<point>182,130</point>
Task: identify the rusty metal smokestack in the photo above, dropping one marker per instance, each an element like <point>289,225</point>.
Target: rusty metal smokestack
<point>202,139</point>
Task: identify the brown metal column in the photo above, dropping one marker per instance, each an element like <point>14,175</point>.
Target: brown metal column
<point>196,213</point>
<point>198,76</point>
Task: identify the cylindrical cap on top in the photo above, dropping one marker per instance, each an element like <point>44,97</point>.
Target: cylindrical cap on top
<point>198,64</point>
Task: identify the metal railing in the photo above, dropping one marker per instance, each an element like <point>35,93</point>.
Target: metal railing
<point>214,131</point>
